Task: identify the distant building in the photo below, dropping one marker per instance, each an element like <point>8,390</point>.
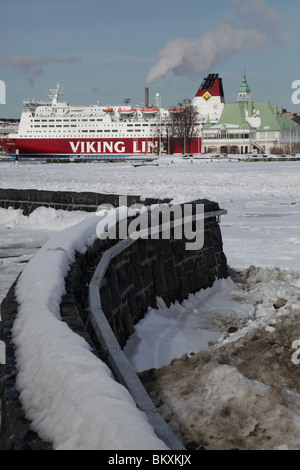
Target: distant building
<point>244,126</point>
<point>6,127</point>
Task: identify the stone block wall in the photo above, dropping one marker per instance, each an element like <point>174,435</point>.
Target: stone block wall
<point>134,279</point>
<point>30,199</point>
<point>158,268</point>
<point>146,270</point>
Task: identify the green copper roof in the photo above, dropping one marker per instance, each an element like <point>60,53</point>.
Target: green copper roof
<point>244,88</point>
<point>260,116</point>
<point>207,125</point>
<point>233,114</point>
<point>245,125</point>
<point>273,119</point>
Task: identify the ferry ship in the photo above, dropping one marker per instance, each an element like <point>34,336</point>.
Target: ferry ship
<point>57,130</point>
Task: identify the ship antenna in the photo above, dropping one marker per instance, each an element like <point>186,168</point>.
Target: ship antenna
<point>55,93</point>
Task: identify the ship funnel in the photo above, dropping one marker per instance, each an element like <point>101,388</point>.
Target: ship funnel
<point>146,97</point>
<point>209,99</point>
<point>211,86</point>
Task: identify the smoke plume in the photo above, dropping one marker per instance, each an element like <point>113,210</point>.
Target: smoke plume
<point>32,67</point>
<point>256,27</point>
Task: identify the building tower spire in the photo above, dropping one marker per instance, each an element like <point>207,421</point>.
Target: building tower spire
<point>244,93</point>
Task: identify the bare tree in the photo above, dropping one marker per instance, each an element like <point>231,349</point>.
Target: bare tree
<point>183,125</point>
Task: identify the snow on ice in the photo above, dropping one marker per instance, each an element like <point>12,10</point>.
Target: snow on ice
<point>221,361</point>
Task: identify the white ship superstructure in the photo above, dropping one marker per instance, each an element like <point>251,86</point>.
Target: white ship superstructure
<point>55,128</point>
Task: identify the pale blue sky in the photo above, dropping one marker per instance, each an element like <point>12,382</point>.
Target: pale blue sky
<point>104,51</point>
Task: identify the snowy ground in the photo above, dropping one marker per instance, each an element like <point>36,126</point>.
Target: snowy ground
<point>241,391</point>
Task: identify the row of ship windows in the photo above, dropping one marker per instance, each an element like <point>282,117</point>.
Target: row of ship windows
<point>55,135</point>
<point>74,125</point>
<point>65,120</point>
<point>80,120</point>
<point>92,130</point>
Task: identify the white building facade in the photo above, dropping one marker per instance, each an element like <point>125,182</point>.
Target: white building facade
<point>244,126</point>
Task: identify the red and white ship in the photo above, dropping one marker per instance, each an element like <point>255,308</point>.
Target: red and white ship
<point>56,129</point>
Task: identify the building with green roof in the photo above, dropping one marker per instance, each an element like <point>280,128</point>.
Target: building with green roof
<point>249,127</point>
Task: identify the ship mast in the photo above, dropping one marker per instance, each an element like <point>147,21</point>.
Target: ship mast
<point>55,94</point>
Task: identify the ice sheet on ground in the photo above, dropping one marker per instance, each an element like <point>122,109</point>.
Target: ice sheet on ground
<point>167,333</point>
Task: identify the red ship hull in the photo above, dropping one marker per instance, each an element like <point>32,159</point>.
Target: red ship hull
<point>66,147</point>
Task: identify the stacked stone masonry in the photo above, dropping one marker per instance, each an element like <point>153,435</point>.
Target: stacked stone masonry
<point>134,279</point>
<point>30,199</point>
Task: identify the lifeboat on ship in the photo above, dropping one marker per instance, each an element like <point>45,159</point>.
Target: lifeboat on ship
<point>150,110</point>
<point>126,111</point>
<point>175,110</point>
<point>108,110</point>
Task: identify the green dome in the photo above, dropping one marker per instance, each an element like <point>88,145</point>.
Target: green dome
<point>244,88</point>
<point>244,92</point>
